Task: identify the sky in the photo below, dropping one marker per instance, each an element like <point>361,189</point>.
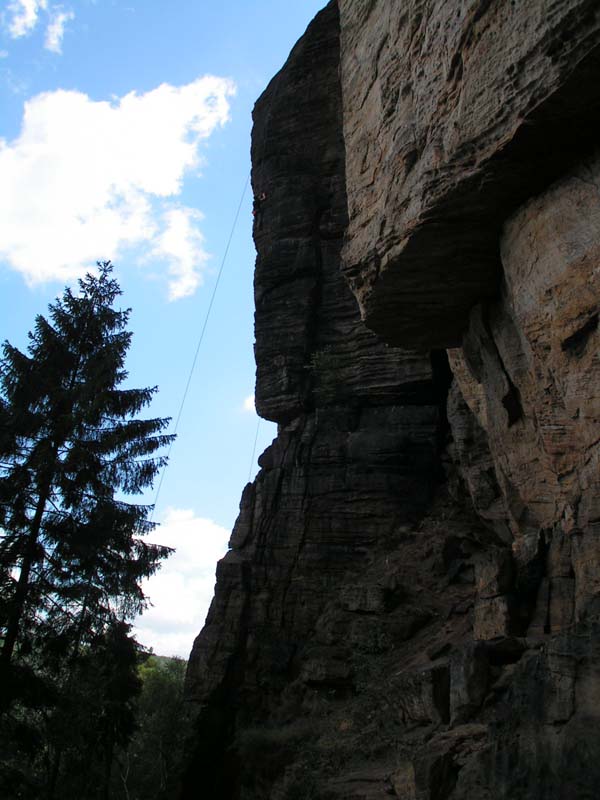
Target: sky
<point>125,136</point>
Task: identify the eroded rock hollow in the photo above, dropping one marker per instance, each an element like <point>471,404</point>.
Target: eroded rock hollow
<point>409,607</point>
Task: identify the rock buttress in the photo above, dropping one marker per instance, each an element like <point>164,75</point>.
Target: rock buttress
<point>352,468</point>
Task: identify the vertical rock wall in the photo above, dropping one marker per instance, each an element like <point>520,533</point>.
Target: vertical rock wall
<point>529,371</point>
<point>409,607</point>
<point>473,209</point>
<point>355,459</point>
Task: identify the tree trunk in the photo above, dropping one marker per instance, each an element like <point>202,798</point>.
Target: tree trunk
<point>54,773</point>
<point>108,768</point>
<point>21,592</point>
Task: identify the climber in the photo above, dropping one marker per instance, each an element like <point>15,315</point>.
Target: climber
<point>256,208</point>
<point>259,199</point>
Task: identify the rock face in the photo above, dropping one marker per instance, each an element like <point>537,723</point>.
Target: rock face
<point>409,607</point>
<point>355,459</point>
<point>528,369</point>
<point>447,111</point>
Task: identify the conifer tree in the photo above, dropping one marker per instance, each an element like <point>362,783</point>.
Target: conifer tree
<point>72,552</point>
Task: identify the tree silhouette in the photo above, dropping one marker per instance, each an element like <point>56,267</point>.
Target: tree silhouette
<point>72,550</point>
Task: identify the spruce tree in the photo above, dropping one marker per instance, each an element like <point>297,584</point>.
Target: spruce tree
<point>72,552</point>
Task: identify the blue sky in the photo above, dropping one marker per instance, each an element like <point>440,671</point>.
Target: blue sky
<point>125,135</point>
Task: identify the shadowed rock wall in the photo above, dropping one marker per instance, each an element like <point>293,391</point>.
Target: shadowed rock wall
<point>356,456</point>
<point>528,370</point>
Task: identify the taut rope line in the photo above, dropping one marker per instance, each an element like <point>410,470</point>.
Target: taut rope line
<point>201,337</point>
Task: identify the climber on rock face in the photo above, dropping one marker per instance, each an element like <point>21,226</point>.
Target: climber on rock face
<point>259,199</point>
<point>257,203</point>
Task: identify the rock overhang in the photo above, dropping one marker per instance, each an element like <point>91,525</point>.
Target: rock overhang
<point>466,113</point>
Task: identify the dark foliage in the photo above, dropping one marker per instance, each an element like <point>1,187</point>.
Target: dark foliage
<point>150,767</point>
<point>72,552</point>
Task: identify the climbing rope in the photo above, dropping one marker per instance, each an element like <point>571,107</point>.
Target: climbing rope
<point>200,338</point>
<point>261,199</point>
<point>253,451</point>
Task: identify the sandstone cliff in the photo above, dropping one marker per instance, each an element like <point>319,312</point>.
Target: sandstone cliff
<point>409,604</point>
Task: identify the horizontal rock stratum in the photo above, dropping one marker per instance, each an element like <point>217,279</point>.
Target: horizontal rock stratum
<point>409,606</point>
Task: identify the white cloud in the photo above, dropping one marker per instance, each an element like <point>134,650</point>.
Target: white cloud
<point>87,178</point>
<point>249,403</point>
<point>3,53</point>
<point>56,29</point>
<point>182,590</point>
<point>182,245</point>
<point>24,16</point>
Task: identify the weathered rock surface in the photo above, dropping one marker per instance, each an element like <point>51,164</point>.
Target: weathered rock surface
<point>311,350</point>
<point>409,607</point>
<point>532,358</point>
<point>454,113</point>
<point>528,372</point>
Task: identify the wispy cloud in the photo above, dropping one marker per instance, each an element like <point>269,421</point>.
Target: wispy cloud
<point>23,16</point>
<point>181,244</point>
<point>56,29</point>
<point>182,590</point>
<point>87,178</point>
<point>248,404</point>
